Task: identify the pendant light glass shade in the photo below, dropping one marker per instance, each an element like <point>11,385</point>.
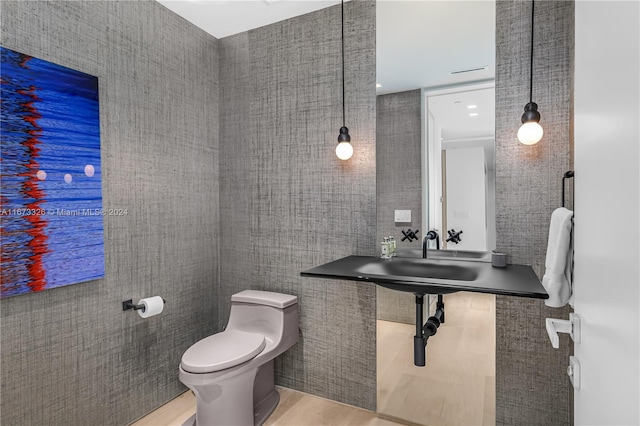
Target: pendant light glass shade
<point>530,133</point>
<point>344,150</point>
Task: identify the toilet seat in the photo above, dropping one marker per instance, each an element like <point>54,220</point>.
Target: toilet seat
<point>222,350</point>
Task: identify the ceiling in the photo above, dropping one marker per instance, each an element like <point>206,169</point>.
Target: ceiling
<point>222,18</point>
<point>465,115</point>
<point>419,43</point>
<point>467,120</point>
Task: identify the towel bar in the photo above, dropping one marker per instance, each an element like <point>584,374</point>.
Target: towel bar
<point>567,175</point>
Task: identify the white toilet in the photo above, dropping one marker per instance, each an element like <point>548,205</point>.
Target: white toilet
<point>231,373</point>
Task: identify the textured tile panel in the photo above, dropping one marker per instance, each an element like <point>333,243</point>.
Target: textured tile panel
<point>287,202</point>
<point>531,383</point>
<point>70,355</point>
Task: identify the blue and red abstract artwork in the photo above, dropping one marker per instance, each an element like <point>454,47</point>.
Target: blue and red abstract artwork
<point>51,216</point>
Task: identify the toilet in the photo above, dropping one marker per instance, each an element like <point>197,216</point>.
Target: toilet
<point>231,373</point>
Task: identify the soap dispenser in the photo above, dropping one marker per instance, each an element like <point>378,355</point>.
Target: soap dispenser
<point>385,248</point>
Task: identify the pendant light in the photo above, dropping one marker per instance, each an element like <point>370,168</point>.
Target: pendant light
<point>344,150</point>
<point>530,132</point>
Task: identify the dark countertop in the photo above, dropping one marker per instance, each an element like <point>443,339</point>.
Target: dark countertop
<point>474,276</point>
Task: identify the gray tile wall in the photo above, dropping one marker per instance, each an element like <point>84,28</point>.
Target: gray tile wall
<point>70,355</point>
<point>532,386</point>
<point>398,153</point>
<point>287,202</point>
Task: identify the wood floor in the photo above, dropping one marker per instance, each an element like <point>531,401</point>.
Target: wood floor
<point>457,386</point>
<point>295,409</point>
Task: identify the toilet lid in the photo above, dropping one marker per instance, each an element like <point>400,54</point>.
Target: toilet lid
<point>222,350</point>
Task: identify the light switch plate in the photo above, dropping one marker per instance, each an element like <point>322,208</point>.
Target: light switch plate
<point>403,216</point>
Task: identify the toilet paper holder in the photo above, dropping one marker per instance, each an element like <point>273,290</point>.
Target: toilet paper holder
<point>128,304</point>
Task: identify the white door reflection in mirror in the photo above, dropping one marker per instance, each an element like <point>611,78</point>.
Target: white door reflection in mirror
<point>459,177</point>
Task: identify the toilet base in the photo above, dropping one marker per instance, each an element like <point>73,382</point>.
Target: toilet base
<point>246,399</point>
<point>191,421</point>
<point>262,411</point>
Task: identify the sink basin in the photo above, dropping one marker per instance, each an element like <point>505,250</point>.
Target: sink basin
<point>459,254</point>
<point>420,268</point>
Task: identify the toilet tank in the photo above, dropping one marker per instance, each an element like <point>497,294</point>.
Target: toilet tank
<point>274,315</point>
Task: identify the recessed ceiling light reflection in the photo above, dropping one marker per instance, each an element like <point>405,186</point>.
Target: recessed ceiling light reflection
<point>473,114</point>
<point>472,106</point>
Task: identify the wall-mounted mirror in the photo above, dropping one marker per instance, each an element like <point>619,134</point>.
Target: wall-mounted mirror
<point>459,147</point>
<point>435,158</point>
<point>435,61</point>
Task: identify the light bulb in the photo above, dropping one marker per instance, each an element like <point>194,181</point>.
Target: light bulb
<point>344,150</point>
<point>530,133</point>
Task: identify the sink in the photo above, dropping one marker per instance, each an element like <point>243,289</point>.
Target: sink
<point>434,275</point>
<point>419,268</point>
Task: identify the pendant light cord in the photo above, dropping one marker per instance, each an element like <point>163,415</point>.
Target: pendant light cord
<point>533,3</point>
<point>343,111</point>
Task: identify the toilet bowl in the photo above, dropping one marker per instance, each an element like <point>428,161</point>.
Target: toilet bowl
<point>231,373</point>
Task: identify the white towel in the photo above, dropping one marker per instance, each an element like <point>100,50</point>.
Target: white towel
<point>559,262</point>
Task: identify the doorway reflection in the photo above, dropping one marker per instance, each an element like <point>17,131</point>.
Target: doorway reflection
<point>457,386</point>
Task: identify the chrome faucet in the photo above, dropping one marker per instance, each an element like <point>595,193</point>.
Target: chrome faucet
<point>431,235</point>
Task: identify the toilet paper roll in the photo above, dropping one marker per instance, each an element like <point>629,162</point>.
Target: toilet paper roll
<point>152,306</point>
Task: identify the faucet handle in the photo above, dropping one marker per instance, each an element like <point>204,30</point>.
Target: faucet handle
<point>454,236</point>
<point>409,234</point>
